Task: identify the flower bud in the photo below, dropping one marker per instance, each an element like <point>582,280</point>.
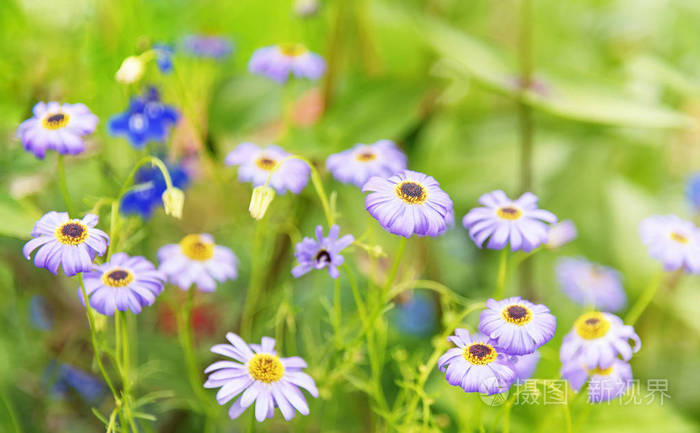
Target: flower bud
<point>130,71</point>
<point>260,201</point>
<point>173,202</point>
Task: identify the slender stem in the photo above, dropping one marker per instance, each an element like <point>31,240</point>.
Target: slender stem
<point>145,160</point>
<point>501,282</point>
<point>567,416</point>
<point>356,293</point>
<point>126,372</point>
<point>644,299</point>
<point>63,186</point>
<point>93,338</point>
<point>395,266</point>
<point>10,412</point>
<point>185,336</point>
<point>255,280</point>
<point>113,223</point>
<point>337,312</point>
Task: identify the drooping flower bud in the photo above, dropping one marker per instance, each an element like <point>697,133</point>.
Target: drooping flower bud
<point>260,201</point>
<point>173,202</point>
<point>130,71</point>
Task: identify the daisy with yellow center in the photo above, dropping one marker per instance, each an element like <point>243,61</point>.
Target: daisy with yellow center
<point>197,260</point>
<point>672,241</point>
<point>71,244</point>
<point>279,62</point>
<point>359,163</point>
<point>261,377</point>
<point>604,384</point>
<point>55,121</point>
<point>477,364</point>
<point>123,283</point>
<point>258,164</point>
<point>517,325</point>
<point>597,340</point>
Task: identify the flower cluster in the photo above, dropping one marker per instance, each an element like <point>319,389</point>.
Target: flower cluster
<point>260,376</point>
<point>597,350</point>
<point>504,349</point>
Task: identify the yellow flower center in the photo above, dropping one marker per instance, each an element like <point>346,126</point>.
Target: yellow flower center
<point>117,277</point>
<point>682,239</point>
<point>55,121</point>
<point>592,325</point>
<point>292,50</point>
<point>366,156</point>
<point>509,213</point>
<point>411,192</point>
<point>266,163</point>
<point>73,232</point>
<point>266,368</point>
<point>517,314</point>
<point>480,353</point>
<point>196,247</point>
<point>601,371</point>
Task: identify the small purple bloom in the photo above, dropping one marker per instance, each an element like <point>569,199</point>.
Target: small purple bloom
<point>603,384</point>
<point>525,365</point>
<point>57,127</point>
<point>197,260</point>
<point>147,119</point>
<point>591,285</point>
<point>597,339</point>
<point>518,326</point>
<point>561,233</point>
<point>323,253</point>
<point>277,62</point>
<point>693,191</point>
<point>70,243</point>
<point>672,241</point>
<point>477,364</point>
<point>504,220</point>
<point>256,164</point>
<point>213,47</point>
<point>408,203</point>
<point>262,377</point>
<point>363,161</point>
<point>123,283</point>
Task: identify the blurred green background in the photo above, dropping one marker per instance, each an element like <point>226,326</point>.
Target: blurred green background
<point>616,107</point>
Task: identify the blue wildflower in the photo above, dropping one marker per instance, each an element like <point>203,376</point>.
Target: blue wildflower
<point>164,53</point>
<point>150,186</point>
<point>417,315</point>
<point>693,191</point>
<point>64,378</point>
<point>147,119</point>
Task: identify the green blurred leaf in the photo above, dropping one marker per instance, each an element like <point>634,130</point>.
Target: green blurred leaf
<point>17,217</point>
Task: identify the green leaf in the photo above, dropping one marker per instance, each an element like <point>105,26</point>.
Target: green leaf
<point>17,217</point>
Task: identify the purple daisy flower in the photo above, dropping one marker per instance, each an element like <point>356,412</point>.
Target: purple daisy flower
<point>597,339</point>
<point>70,243</point>
<point>323,253</point>
<point>408,203</point>
<point>197,260</point>
<point>57,127</point>
<point>672,241</point>
<point>590,284</point>
<point>525,365</point>
<point>123,283</point>
<point>603,384</point>
<point>262,376</point>
<point>277,62</point>
<point>363,161</point>
<point>561,233</point>
<point>477,364</point>
<point>207,46</point>
<point>256,164</point>
<point>504,220</point>
<point>518,326</point>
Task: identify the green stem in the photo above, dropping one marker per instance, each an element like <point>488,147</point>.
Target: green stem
<point>185,336</point>
<point>356,293</point>
<point>93,338</point>
<point>501,282</point>
<point>255,280</point>
<point>10,412</point>
<point>337,313</point>
<point>395,266</point>
<point>644,300</point>
<point>126,371</point>
<point>63,186</point>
